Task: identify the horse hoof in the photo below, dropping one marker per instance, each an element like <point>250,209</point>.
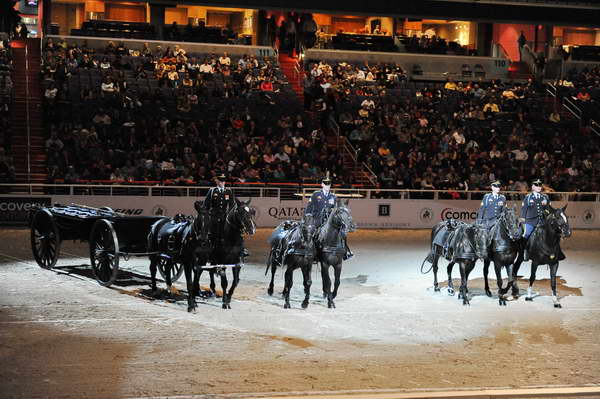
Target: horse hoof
<point>488,293</point>
<point>224,306</point>
<point>270,292</point>
<point>450,291</point>
<point>460,296</point>
<point>286,306</point>
<point>529,299</point>
<point>436,289</point>
<point>558,306</point>
<point>465,303</point>
<point>191,309</point>
<point>304,304</point>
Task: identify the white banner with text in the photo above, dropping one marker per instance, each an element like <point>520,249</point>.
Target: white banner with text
<point>367,213</point>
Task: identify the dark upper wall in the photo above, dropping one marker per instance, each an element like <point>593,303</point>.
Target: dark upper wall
<point>471,10</point>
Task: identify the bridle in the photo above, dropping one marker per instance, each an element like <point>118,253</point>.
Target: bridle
<point>240,225</point>
<point>504,224</point>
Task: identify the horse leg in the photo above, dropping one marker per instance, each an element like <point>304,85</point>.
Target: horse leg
<point>326,280</point>
<point>224,289</point>
<point>516,266</point>
<point>197,273</point>
<point>289,281</point>
<point>436,287</point>
<point>450,284</point>
<point>464,277</point>
<point>187,267</point>
<point>501,292</point>
<point>236,279</point>
<point>306,272</point>
<point>553,270</point>
<point>326,285</point>
<point>153,261</point>
<point>272,283</point>
<point>529,296</point>
<point>172,290</point>
<point>337,271</point>
<point>486,269</point>
<point>213,286</point>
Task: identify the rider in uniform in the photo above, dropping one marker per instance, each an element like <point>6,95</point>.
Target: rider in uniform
<point>491,206</point>
<point>218,201</point>
<point>532,209</point>
<point>320,204</point>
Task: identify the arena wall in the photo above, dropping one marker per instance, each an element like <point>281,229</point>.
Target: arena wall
<point>367,213</point>
<point>434,66</point>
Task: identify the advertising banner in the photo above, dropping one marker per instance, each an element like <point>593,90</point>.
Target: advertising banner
<point>15,210</point>
<point>367,213</point>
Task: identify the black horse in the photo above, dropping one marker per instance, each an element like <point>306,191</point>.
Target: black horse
<point>292,246</point>
<point>331,246</point>
<point>464,244</point>
<point>228,251</point>
<point>503,247</point>
<point>441,233</point>
<point>543,247</point>
<point>182,240</point>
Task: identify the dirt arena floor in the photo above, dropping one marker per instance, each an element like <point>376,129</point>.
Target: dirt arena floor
<point>62,335</point>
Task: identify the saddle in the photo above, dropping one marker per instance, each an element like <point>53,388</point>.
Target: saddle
<point>444,234</point>
<point>276,239</point>
<point>172,232</point>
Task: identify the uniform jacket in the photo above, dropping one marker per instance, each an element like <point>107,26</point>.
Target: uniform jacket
<point>491,208</point>
<point>318,203</point>
<point>532,208</point>
<point>217,202</point>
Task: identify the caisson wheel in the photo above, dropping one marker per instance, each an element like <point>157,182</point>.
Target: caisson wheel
<point>104,252</point>
<point>45,239</point>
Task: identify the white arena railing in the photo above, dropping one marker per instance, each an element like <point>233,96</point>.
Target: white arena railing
<point>261,191</point>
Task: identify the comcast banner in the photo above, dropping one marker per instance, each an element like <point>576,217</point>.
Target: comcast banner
<point>417,214</point>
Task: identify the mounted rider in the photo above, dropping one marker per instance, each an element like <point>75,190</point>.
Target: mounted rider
<point>532,209</point>
<point>219,200</point>
<point>320,204</point>
<point>491,206</point>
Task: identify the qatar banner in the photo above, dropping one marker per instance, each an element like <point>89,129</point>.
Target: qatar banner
<point>367,213</point>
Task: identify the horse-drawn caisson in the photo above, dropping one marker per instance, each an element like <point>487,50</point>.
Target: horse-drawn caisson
<point>176,245</point>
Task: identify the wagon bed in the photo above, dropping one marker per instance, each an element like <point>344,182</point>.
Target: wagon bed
<point>110,234</point>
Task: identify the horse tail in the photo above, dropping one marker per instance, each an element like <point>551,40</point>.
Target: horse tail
<point>269,262</point>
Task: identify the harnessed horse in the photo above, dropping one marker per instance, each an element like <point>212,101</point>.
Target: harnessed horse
<point>503,248</point>
<point>184,242</point>
<point>543,247</point>
<point>228,250</point>
<point>465,244</point>
<point>331,246</point>
<point>292,246</point>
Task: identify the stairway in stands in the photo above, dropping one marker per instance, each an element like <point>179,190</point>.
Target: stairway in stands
<point>291,69</point>
<point>27,105</point>
<point>360,174</point>
<point>519,70</point>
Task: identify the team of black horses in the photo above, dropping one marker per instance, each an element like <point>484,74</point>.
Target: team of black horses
<point>503,244</point>
<point>299,244</point>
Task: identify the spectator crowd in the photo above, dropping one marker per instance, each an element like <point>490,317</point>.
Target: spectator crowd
<point>452,135</point>
<point>163,115</point>
<point>167,116</point>
<point>7,170</point>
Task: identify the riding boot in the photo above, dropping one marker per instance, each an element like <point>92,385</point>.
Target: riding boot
<point>348,254</point>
